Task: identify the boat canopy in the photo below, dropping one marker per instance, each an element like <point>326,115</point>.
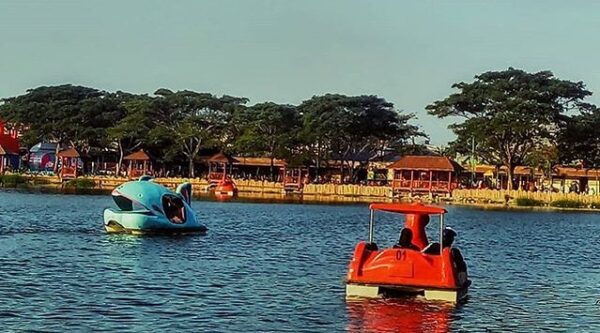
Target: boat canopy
<point>407,208</point>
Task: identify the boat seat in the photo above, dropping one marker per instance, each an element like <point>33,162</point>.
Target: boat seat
<point>432,249</point>
<point>371,247</point>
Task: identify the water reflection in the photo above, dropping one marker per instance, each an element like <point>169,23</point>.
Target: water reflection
<point>398,315</point>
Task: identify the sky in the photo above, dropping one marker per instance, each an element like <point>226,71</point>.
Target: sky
<point>409,52</point>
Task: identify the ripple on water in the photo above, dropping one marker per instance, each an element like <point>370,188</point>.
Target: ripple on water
<point>280,267</point>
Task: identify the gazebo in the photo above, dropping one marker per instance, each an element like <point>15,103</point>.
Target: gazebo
<point>69,159</point>
<point>217,166</point>
<point>425,174</point>
<point>139,164</point>
<point>5,161</point>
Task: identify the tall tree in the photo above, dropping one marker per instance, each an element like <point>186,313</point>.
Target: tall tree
<point>270,129</point>
<point>509,113</point>
<point>194,120</point>
<point>130,130</point>
<point>353,127</point>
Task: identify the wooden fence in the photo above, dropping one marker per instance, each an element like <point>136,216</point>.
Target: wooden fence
<point>347,190</point>
<point>502,196</point>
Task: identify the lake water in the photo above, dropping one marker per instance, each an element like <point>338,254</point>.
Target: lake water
<point>281,267</point>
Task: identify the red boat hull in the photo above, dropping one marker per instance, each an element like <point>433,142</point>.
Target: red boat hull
<point>225,190</point>
<point>405,269</point>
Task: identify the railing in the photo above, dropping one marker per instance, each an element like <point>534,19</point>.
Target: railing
<point>136,173</point>
<point>501,196</point>
<point>292,181</point>
<point>422,185</point>
<point>215,175</point>
<point>68,172</point>
<point>347,190</point>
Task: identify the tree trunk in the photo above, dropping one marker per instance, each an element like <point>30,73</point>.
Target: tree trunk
<point>191,166</point>
<point>272,167</point>
<point>510,172</point>
<point>318,160</point>
<point>120,161</point>
<point>55,169</point>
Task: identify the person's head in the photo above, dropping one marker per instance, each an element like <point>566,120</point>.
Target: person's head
<point>405,237</point>
<point>448,236</point>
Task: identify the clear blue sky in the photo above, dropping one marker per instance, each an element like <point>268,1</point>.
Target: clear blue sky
<point>409,52</point>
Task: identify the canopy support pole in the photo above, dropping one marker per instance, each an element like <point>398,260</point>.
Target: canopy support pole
<point>371,226</point>
<point>441,233</point>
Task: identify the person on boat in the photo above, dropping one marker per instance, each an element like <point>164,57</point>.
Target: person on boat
<point>448,236</point>
<point>405,241</point>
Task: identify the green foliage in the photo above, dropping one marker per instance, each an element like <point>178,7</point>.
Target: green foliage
<point>191,121</point>
<point>12,180</point>
<point>351,127</point>
<point>176,126</point>
<point>527,202</point>
<point>510,113</point>
<point>567,203</point>
<point>580,139</point>
<point>269,129</point>
<point>66,114</point>
<point>81,183</point>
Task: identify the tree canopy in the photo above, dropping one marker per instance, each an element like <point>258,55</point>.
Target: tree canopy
<point>269,129</point>
<point>352,128</point>
<point>510,113</point>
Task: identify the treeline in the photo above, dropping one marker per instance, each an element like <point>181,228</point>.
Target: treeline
<point>504,118</point>
<point>176,127</point>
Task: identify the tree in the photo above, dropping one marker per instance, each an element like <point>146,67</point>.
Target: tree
<point>270,128</point>
<point>510,113</point>
<point>61,114</point>
<point>353,127</point>
<point>193,120</point>
<point>130,131</point>
<point>580,139</point>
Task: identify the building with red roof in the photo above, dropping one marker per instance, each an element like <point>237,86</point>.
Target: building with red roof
<point>430,174</point>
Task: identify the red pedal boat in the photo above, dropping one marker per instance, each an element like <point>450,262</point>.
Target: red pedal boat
<point>436,271</point>
<point>225,189</point>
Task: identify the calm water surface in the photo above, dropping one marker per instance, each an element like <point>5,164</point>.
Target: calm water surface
<point>280,267</point>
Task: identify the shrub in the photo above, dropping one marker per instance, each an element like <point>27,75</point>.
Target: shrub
<point>595,205</point>
<point>81,183</point>
<point>567,203</point>
<point>528,202</point>
<point>12,180</point>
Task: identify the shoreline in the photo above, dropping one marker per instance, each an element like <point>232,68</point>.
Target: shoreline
<point>499,206</point>
<point>298,198</point>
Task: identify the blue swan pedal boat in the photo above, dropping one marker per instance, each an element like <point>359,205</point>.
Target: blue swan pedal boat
<point>146,207</point>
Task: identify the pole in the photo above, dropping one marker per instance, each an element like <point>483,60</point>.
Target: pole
<point>472,160</point>
<point>441,234</point>
<point>371,226</point>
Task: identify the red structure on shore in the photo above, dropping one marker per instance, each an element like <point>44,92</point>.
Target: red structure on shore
<point>68,163</point>
<point>140,164</point>
<point>9,138</point>
<point>219,166</point>
<point>433,174</point>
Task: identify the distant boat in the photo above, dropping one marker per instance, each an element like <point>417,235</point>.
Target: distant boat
<point>225,189</point>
